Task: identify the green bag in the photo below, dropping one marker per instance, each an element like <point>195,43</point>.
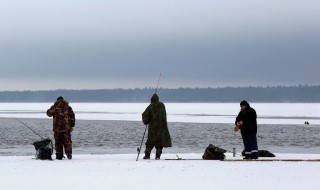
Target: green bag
<point>214,153</point>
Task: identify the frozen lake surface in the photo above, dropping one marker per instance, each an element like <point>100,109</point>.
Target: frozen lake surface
<point>117,129</point>
<point>268,113</point>
<point>104,137</point>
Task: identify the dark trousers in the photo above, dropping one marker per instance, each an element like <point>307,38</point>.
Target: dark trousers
<point>149,149</point>
<point>62,140</point>
<point>250,143</point>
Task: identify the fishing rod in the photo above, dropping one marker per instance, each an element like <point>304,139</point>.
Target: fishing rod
<point>29,128</point>
<point>139,148</point>
<point>37,144</point>
<point>158,84</point>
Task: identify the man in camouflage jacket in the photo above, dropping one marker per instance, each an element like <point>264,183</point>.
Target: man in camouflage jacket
<point>63,123</point>
<point>158,134</point>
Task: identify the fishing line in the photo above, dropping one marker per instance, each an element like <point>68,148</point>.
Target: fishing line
<point>28,128</point>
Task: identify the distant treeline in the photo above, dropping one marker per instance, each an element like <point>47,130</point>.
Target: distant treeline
<point>300,93</point>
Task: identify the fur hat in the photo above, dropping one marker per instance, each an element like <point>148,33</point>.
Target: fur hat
<point>60,98</point>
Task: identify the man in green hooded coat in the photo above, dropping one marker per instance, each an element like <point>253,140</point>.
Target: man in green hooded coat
<point>158,134</point>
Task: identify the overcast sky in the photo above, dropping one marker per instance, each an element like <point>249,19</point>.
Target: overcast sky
<point>82,44</point>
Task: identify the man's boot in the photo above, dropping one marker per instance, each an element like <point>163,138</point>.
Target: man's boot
<point>158,152</point>
<point>146,156</point>
<point>59,156</point>
<point>147,153</point>
<point>247,157</point>
<point>254,155</point>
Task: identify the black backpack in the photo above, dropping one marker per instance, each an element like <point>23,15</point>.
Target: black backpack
<point>44,149</point>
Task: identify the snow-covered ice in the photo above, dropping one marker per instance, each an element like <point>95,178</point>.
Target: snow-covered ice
<point>122,172</point>
<point>268,113</point>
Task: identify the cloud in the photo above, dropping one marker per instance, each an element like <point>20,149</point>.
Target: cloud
<point>109,44</point>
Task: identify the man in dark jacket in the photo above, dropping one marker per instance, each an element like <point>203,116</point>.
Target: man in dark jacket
<point>246,121</point>
<point>63,123</point>
<point>158,134</point>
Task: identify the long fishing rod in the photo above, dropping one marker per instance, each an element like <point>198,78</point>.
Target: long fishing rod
<point>158,84</point>
<point>29,128</point>
<point>139,148</point>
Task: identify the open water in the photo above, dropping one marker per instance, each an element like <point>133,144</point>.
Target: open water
<point>109,137</point>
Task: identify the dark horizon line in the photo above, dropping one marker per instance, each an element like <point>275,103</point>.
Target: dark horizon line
<point>250,86</point>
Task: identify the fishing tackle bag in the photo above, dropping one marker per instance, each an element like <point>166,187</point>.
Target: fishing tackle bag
<point>214,153</point>
<point>44,149</point>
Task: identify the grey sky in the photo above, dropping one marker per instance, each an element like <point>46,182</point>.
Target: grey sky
<point>81,44</point>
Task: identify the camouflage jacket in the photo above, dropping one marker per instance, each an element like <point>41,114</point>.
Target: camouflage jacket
<point>156,117</point>
<point>63,116</point>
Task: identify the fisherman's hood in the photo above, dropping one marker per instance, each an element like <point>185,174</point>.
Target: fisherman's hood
<point>61,102</point>
<point>154,98</point>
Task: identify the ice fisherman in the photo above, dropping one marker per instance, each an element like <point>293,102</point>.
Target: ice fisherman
<point>63,124</point>
<point>158,134</point>
<point>246,121</point>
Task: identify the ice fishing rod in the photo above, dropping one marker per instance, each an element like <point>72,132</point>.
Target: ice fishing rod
<point>139,148</point>
<point>28,127</point>
<point>158,84</point>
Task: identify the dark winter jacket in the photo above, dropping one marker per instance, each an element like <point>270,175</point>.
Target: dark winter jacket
<point>156,117</point>
<point>63,116</point>
<point>249,118</point>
